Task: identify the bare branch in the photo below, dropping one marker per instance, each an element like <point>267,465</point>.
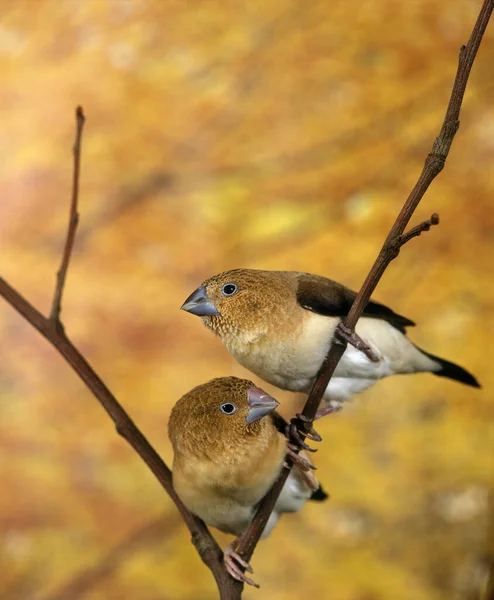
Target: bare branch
<point>53,330</point>
<point>207,547</point>
<point>390,250</point>
<point>73,218</point>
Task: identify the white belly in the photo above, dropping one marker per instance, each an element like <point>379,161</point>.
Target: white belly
<point>232,516</point>
<point>293,363</point>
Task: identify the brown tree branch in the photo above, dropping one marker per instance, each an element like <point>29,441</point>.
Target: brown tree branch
<point>52,329</point>
<point>390,250</point>
<point>73,218</point>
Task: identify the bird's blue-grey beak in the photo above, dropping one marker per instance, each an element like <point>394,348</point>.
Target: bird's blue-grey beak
<point>261,404</point>
<point>198,303</point>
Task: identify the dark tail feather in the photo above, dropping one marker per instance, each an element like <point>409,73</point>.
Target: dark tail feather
<point>319,495</point>
<point>452,371</point>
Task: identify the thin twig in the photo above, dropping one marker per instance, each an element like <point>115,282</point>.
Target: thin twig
<point>417,230</point>
<point>390,250</point>
<point>73,219</point>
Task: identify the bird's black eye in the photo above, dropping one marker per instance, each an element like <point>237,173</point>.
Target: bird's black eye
<point>228,408</point>
<point>229,289</point>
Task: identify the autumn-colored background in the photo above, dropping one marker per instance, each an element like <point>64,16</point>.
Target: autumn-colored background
<point>277,135</point>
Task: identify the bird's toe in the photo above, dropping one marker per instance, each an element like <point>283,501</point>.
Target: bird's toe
<point>300,461</point>
<point>234,564</point>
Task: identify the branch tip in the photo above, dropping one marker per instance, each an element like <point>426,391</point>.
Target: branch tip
<point>79,113</point>
<point>414,232</point>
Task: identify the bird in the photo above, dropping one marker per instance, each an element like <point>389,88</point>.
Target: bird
<point>227,453</point>
<point>280,325</point>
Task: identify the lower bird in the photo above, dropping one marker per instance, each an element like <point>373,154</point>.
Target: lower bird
<point>227,454</point>
<point>280,325</point>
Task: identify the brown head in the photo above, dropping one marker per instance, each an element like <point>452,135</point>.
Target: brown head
<point>244,303</point>
<point>219,416</point>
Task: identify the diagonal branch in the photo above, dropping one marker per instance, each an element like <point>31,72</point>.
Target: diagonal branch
<point>52,329</point>
<point>396,238</point>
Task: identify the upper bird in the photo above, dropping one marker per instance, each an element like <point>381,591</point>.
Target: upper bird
<point>227,454</point>
<point>280,324</point>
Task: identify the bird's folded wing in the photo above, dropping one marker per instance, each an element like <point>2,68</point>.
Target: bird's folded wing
<point>331,299</point>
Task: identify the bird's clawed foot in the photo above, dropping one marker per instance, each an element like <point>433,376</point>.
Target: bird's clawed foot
<point>234,564</point>
<point>344,333</point>
<point>327,410</point>
<point>299,461</point>
<point>295,433</point>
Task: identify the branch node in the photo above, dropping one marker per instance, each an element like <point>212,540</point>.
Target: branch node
<point>56,326</point>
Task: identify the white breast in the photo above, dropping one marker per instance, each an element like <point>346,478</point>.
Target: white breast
<point>292,362</point>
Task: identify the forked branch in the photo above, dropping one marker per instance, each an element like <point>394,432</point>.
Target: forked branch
<point>73,219</point>
<point>52,329</point>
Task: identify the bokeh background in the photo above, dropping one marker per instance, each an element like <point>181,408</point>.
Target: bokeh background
<point>276,135</point>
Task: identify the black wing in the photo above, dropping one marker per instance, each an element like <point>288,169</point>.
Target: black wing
<point>331,299</point>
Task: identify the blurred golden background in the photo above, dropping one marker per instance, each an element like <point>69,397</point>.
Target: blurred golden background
<point>219,134</point>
